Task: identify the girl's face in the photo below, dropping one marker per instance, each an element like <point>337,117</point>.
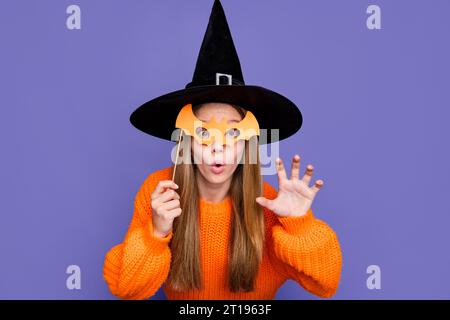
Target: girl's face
<point>217,161</point>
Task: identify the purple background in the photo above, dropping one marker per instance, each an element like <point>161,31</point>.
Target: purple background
<point>375,105</point>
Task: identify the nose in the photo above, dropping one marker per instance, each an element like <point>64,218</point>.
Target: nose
<point>216,147</point>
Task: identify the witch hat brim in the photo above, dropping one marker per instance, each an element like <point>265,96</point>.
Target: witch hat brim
<point>218,57</point>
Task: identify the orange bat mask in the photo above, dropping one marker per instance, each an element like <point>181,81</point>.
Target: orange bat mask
<point>222,132</point>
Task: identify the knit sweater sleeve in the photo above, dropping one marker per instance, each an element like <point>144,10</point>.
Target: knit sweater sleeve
<point>137,267</point>
<point>307,250</point>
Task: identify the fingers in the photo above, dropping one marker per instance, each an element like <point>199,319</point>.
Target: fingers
<point>317,186</point>
<point>295,171</point>
<point>307,179</point>
<point>162,186</point>
<point>280,170</point>
<point>308,174</point>
<point>169,205</point>
<point>166,196</point>
<point>267,203</point>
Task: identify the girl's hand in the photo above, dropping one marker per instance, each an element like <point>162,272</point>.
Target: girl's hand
<point>294,197</point>
<point>165,207</point>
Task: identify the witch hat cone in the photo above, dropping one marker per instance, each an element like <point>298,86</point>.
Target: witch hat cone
<point>218,77</point>
<point>217,53</point>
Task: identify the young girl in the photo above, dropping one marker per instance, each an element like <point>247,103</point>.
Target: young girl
<point>209,234</point>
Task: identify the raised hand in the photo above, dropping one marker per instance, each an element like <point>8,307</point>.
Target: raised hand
<point>295,197</point>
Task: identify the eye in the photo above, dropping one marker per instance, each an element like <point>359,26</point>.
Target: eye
<point>233,132</point>
<point>202,132</point>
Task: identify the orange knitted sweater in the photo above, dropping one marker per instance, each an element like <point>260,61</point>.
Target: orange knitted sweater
<point>303,248</point>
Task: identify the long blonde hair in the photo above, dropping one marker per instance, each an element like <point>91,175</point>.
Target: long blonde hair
<point>247,226</point>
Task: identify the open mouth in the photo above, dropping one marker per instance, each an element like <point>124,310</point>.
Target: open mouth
<point>217,163</point>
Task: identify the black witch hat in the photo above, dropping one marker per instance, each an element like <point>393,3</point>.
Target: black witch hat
<point>218,78</point>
